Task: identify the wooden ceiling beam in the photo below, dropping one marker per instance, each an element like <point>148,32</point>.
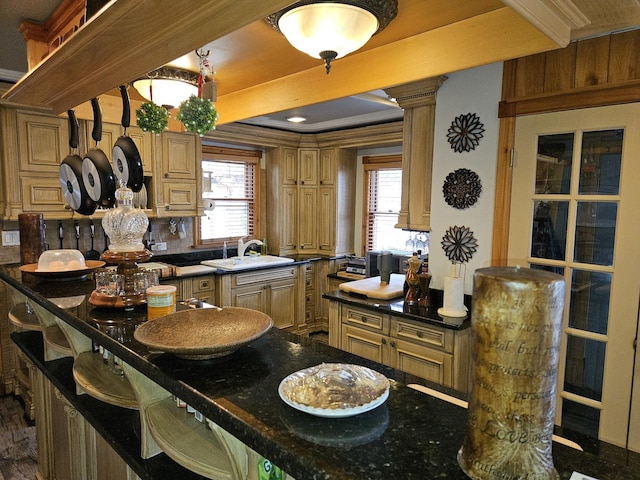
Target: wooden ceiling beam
<point>491,37</point>
<point>126,41</point>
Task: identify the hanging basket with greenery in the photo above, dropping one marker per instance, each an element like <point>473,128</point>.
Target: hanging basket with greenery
<point>152,118</point>
<point>198,115</point>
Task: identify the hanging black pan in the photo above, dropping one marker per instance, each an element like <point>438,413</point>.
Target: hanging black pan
<point>71,181</point>
<point>127,164</point>
<point>97,173</point>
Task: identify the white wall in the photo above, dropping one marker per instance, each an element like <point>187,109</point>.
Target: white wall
<point>470,91</point>
<point>476,91</point>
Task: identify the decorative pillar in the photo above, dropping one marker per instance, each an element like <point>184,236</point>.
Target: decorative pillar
<point>516,329</point>
<point>418,99</point>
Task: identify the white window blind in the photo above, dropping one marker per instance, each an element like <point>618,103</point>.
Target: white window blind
<point>229,179</point>
<point>384,187</point>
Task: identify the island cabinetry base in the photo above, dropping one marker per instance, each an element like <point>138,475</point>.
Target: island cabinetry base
<point>427,351</point>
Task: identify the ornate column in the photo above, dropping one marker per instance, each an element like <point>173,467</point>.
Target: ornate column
<point>418,99</point>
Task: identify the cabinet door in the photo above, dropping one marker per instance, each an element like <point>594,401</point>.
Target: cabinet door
<point>326,219</point>
<point>290,166</point>
<point>327,166</point>
<point>282,303</point>
<point>179,160</point>
<point>289,226</point>
<point>179,199</point>
<point>253,297</point>
<point>44,195</point>
<point>427,363</point>
<point>365,343</point>
<point>307,220</point>
<point>43,142</point>
<point>308,167</point>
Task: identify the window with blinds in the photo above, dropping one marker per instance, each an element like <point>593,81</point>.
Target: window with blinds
<point>230,180</point>
<point>383,177</point>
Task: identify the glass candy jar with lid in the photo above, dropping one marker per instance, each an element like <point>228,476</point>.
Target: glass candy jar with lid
<point>125,225</point>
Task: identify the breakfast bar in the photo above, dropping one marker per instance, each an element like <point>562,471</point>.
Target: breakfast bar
<point>412,435</point>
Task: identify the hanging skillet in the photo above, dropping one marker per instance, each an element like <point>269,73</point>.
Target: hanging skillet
<point>127,164</point>
<point>97,173</point>
<point>71,181</point>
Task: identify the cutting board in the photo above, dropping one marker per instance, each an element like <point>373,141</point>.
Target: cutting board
<point>372,288</point>
<point>164,269</point>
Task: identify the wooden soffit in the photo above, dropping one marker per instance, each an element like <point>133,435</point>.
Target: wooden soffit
<point>256,70</point>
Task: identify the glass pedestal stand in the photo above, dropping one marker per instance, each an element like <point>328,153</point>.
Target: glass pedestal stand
<point>128,266</point>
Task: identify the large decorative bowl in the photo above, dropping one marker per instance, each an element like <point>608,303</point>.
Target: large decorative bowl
<point>203,333</point>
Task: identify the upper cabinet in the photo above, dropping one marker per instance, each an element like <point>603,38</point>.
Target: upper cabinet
<point>178,178</point>
<point>34,144</point>
<point>311,212</point>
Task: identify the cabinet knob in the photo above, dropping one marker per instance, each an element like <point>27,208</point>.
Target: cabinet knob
<point>302,182</point>
<point>364,319</point>
<point>166,175</point>
<point>393,343</point>
<point>167,207</point>
<point>419,334</point>
<point>320,182</point>
<point>383,341</point>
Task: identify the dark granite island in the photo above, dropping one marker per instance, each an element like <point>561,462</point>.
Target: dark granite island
<point>411,436</point>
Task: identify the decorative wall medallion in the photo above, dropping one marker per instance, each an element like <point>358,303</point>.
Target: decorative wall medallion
<point>462,188</point>
<point>459,244</point>
<point>465,132</point>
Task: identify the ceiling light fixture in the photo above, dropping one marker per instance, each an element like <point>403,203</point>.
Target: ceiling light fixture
<point>168,86</point>
<point>332,29</point>
<point>296,119</point>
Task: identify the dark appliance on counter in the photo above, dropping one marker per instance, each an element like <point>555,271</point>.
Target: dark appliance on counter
<point>398,263</point>
<point>356,265</point>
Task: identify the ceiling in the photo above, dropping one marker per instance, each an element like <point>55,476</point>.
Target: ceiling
<point>261,76</point>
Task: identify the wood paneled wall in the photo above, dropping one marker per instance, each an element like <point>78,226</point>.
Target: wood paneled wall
<point>589,73</point>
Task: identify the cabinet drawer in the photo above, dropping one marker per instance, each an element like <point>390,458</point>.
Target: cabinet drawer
<point>424,362</point>
<point>427,335</point>
<point>364,318</point>
<point>309,282</point>
<point>202,284</point>
<point>262,276</point>
<point>309,299</point>
<point>364,343</point>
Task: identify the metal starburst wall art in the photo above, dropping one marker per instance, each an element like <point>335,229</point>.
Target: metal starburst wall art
<point>459,244</point>
<point>465,132</point>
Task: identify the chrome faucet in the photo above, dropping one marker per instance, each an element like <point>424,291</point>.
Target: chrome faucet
<point>242,247</point>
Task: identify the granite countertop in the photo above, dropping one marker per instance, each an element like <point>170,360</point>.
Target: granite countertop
<point>398,308</point>
<point>411,436</point>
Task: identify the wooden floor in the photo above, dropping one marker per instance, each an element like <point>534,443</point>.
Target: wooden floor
<point>18,460</point>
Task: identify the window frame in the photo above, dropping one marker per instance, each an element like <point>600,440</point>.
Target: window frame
<point>236,155</point>
<point>371,163</point>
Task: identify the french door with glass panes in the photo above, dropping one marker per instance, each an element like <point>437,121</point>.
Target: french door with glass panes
<point>575,210</point>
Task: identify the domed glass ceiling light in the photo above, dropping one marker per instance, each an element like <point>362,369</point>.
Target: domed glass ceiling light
<point>167,86</point>
<point>332,29</point>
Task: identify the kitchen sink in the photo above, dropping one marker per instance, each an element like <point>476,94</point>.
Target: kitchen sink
<point>247,262</point>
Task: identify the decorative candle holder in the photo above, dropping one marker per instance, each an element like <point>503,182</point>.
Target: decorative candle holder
<point>516,330</point>
<point>125,226</point>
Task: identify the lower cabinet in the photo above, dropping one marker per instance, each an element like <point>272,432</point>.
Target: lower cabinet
<point>427,351</point>
<point>68,446</point>
<point>274,291</point>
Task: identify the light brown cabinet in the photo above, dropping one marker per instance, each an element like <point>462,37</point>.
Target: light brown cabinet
<point>312,194</point>
<point>437,354</point>
<point>68,446</point>
<point>34,144</point>
<point>274,291</point>
<point>178,171</point>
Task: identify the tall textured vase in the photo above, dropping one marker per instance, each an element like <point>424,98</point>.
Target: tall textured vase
<point>516,328</point>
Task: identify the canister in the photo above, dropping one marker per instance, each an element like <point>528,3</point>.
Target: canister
<point>161,300</point>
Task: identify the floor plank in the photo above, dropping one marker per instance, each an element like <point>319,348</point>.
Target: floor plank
<point>18,457</point>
